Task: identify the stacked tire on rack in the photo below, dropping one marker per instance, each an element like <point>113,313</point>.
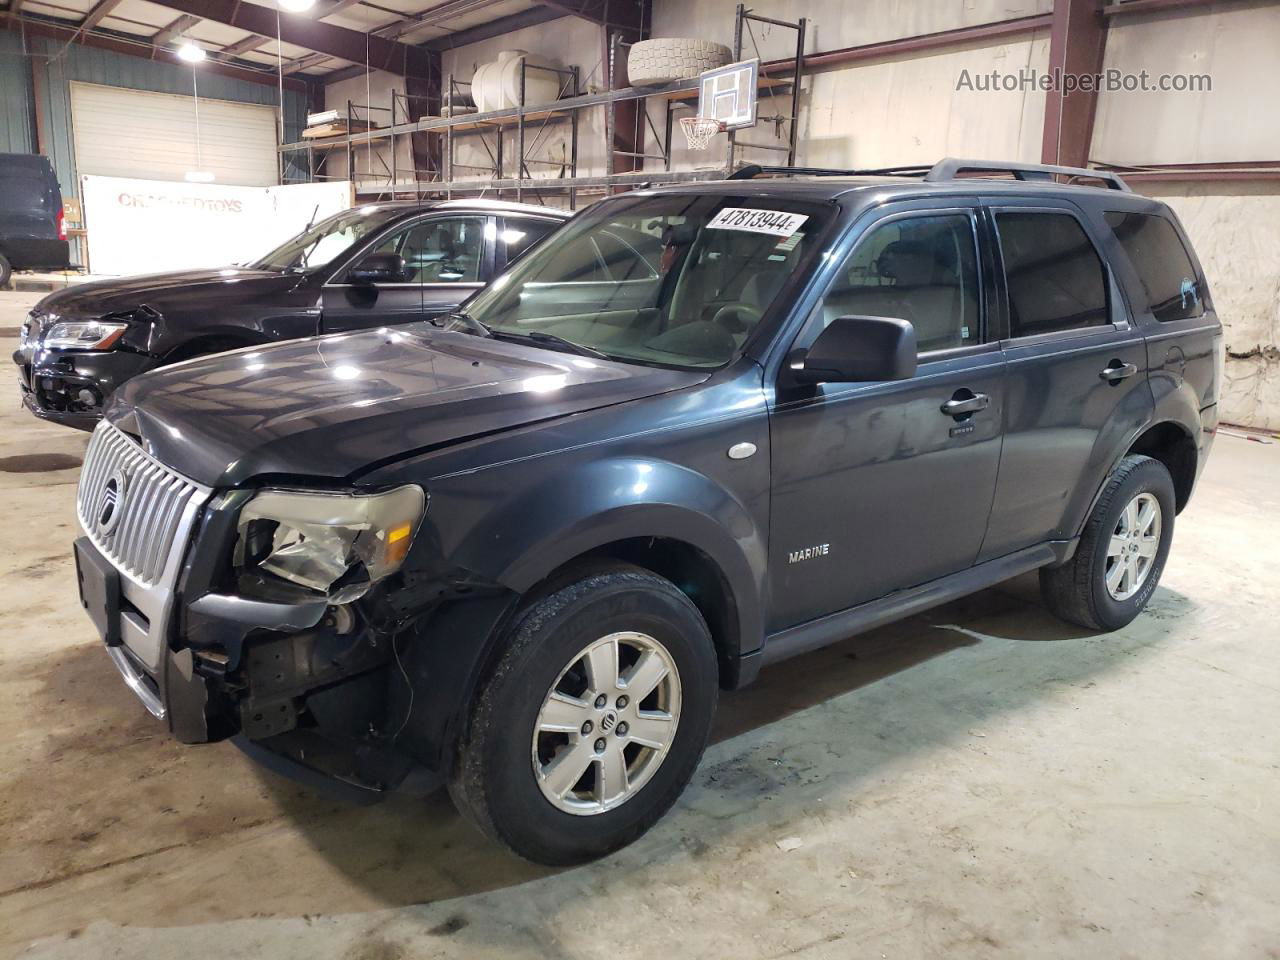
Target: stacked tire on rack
<point>656,63</point>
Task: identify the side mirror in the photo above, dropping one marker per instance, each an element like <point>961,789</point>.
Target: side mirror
<point>858,349</point>
<point>378,268</point>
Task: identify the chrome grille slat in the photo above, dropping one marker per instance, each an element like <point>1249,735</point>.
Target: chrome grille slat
<point>158,507</point>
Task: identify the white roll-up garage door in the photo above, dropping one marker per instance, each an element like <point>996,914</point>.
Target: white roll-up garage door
<point>152,136</point>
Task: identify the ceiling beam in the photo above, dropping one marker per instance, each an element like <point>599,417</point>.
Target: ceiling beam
<point>244,45</point>
<point>167,34</point>
<point>141,48</point>
<point>531,17</point>
<point>97,13</point>
<point>333,41</point>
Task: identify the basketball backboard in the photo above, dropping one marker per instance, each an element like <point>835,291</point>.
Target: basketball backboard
<point>729,94</point>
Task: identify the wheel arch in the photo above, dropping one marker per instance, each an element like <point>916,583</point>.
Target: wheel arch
<point>1174,446</point>
<point>693,572</point>
<point>235,338</point>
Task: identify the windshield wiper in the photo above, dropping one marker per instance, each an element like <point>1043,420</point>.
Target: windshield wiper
<point>551,339</point>
<point>479,326</point>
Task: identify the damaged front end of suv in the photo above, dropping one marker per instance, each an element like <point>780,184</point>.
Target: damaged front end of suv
<point>304,633</point>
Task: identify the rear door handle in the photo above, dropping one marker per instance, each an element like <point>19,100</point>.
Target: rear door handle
<point>954,408</point>
<point>1117,371</point>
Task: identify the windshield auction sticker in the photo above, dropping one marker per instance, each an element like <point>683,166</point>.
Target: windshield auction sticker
<point>773,222</point>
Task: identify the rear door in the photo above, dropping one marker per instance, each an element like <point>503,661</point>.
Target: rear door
<point>447,259</point>
<point>1077,373</point>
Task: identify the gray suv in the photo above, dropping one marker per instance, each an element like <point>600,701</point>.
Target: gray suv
<point>518,549</point>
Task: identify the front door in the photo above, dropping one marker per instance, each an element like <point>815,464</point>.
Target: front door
<point>446,260</point>
<point>882,486</point>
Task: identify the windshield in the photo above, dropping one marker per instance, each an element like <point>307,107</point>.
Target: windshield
<point>678,279</point>
<point>318,245</point>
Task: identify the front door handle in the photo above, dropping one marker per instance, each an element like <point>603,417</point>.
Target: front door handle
<point>1117,371</point>
<point>959,407</point>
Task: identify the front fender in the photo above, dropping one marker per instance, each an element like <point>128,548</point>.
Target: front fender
<point>572,512</point>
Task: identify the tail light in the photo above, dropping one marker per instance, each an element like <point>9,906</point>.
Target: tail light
<point>62,225</point>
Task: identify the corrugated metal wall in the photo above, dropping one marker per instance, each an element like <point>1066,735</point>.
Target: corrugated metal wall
<point>16,135</point>
<point>93,65</point>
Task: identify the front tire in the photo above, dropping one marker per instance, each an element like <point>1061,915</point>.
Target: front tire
<point>1122,551</point>
<point>592,721</point>
<point>6,271</point>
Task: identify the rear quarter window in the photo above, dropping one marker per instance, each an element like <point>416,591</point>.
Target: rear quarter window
<point>1169,281</point>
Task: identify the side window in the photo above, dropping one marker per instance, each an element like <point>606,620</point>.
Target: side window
<point>922,269</point>
<point>517,236</point>
<point>440,251</point>
<point>1161,262</point>
<point>1055,277</point>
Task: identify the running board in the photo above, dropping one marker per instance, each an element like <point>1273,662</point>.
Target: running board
<point>905,603</point>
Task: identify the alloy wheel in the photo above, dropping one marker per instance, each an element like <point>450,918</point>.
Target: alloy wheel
<point>606,724</point>
<point>1131,552</point>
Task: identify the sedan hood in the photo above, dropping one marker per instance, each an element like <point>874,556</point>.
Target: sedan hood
<point>99,297</point>
<point>332,407</point>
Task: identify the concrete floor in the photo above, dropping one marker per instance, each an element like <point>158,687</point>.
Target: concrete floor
<point>980,781</point>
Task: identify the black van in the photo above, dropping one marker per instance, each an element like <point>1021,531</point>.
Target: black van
<point>33,233</point>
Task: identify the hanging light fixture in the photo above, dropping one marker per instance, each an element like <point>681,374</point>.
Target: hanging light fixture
<point>190,52</point>
<point>296,6</point>
<point>199,174</point>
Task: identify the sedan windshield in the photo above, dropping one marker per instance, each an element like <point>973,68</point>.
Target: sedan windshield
<point>675,280</point>
<point>318,245</point>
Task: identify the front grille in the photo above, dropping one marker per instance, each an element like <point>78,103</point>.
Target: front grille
<point>136,510</point>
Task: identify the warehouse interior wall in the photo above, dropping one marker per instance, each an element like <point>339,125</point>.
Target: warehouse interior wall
<point>1233,224</point>
<point>17,133</point>
<point>567,42</point>
<point>369,96</point>
<point>61,63</point>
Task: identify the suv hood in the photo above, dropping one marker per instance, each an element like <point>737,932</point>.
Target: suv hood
<point>98,297</point>
<point>330,407</point>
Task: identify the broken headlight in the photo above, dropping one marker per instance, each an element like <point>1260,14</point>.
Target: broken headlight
<point>86,335</point>
<point>336,544</point>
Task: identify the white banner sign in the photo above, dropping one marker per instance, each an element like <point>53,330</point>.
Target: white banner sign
<point>148,226</point>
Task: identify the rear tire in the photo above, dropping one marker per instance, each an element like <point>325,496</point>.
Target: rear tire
<point>6,270</point>
<point>571,659</point>
<point>1122,551</point>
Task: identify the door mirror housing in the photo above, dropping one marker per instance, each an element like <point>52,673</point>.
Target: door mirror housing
<point>856,350</point>
<point>378,268</point>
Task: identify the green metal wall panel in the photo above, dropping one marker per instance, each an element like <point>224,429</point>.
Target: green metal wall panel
<point>16,135</point>
<point>94,65</point>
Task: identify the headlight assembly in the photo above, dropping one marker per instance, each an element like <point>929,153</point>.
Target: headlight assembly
<point>83,335</point>
<point>336,544</point>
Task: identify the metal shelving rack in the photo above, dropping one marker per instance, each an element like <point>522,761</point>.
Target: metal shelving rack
<point>495,124</point>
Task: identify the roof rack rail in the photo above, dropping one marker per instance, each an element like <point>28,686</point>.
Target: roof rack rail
<point>752,170</point>
<point>949,168</point>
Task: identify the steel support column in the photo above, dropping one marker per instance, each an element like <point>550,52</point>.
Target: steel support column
<point>1077,40</point>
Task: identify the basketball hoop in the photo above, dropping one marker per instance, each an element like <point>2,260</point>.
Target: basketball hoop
<point>699,130</point>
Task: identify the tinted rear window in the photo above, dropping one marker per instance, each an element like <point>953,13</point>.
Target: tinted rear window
<point>1055,278</point>
<point>1172,287</point>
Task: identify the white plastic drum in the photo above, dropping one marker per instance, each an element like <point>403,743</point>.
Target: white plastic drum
<point>496,85</point>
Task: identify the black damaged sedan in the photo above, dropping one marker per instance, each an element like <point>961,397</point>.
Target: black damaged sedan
<point>370,266</point>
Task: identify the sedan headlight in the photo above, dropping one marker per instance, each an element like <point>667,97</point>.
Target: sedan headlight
<point>83,335</point>
<point>337,544</point>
